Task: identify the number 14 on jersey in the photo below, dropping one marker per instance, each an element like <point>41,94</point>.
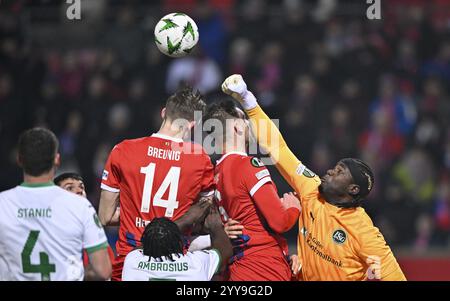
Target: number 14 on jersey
<point>170,182</point>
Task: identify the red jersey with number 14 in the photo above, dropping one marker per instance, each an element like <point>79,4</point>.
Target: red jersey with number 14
<point>156,176</point>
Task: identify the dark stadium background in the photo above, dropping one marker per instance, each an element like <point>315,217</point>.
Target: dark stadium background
<point>342,85</point>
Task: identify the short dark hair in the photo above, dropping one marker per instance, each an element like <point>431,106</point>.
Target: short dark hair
<point>67,175</point>
<point>37,149</point>
<point>162,237</point>
<point>184,103</point>
<point>222,111</point>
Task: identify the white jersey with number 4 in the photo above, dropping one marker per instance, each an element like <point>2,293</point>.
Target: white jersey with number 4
<point>194,266</point>
<point>43,231</point>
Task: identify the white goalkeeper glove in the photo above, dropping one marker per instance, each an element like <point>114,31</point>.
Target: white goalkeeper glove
<point>236,87</point>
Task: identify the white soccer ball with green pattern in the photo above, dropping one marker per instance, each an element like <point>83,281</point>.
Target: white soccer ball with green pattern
<point>176,35</point>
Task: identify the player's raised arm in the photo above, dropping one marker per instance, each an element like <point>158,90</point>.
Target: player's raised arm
<point>270,138</point>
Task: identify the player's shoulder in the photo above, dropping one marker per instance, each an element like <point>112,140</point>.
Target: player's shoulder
<point>71,202</point>
<point>194,148</point>
<point>8,193</point>
<point>249,164</point>
<point>135,255</point>
<point>7,197</point>
<point>132,142</point>
<point>242,160</point>
<point>243,164</point>
<point>366,232</point>
<point>195,154</point>
<point>200,253</point>
<point>359,222</point>
<point>71,199</point>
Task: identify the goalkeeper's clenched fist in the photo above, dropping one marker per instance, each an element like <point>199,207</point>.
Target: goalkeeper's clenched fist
<point>236,87</point>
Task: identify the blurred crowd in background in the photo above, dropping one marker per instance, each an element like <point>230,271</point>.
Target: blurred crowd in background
<point>340,84</point>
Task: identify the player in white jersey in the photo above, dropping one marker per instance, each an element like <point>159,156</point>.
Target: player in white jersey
<point>43,228</point>
<point>73,182</point>
<point>162,258</point>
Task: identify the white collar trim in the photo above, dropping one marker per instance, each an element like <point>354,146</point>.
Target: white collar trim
<point>230,153</point>
<point>161,136</point>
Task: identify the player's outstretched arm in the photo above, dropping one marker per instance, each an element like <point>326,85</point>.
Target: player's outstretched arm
<point>269,137</point>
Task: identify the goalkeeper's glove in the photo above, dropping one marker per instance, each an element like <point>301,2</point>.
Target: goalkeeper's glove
<point>235,86</point>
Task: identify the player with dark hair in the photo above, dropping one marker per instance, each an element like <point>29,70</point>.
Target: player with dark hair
<point>162,237</point>
<point>72,182</point>
<point>43,228</point>
<point>337,239</point>
<point>246,193</point>
<point>162,258</point>
<point>156,176</point>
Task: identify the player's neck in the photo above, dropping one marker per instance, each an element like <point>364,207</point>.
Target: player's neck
<point>44,178</point>
<point>346,202</point>
<point>233,147</point>
<point>166,129</point>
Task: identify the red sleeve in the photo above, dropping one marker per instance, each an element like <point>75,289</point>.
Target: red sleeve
<point>85,258</point>
<point>258,183</point>
<point>111,254</point>
<point>111,173</point>
<point>279,219</point>
<point>207,183</point>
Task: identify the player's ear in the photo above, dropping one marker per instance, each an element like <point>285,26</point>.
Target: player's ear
<point>163,113</point>
<point>191,125</point>
<point>239,127</point>
<point>57,160</point>
<point>353,189</point>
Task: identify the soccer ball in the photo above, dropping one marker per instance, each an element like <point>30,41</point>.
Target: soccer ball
<point>176,35</point>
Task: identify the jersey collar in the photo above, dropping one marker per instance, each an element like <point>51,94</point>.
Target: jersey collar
<point>161,136</point>
<point>230,153</point>
<point>37,185</point>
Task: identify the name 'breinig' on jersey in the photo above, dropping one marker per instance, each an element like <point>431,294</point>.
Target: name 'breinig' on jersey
<point>165,154</point>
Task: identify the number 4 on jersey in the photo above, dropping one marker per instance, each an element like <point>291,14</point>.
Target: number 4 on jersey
<point>170,182</point>
<point>44,267</point>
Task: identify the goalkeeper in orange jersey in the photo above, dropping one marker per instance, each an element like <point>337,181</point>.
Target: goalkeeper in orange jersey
<point>337,239</point>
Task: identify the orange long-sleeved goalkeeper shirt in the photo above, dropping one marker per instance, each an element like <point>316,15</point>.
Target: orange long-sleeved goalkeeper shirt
<point>333,243</point>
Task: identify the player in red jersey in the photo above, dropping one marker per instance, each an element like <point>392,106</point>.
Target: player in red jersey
<point>155,176</point>
<point>246,193</point>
